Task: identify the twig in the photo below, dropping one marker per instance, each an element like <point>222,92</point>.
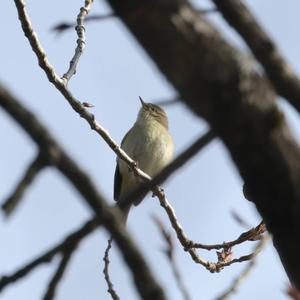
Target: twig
<point>250,235</point>
<point>80,41</point>
<point>66,256</point>
<point>171,256</point>
<point>110,285</point>
<point>281,74</point>
<point>62,247</point>
<point>31,172</point>
<point>61,27</point>
<point>239,219</point>
<point>187,243</point>
<point>247,270</point>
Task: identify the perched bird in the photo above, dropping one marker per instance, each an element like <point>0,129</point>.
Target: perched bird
<point>150,144</point>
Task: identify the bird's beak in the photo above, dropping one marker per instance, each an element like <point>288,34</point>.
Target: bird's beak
<point>142,102</point>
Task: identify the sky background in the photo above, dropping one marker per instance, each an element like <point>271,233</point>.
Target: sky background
<point>113,71</point>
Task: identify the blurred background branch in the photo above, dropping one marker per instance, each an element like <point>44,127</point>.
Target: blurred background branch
<point>237,102</point>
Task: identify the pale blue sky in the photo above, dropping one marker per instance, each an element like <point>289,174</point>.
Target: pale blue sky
<point>112,73</point>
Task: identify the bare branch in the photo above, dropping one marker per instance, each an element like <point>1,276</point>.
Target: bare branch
<point>65,259</point>
<point>80,41</point>
<point>247,270</point>
<point>251,235</point>
<point>106,260</point>
<point>187,243</point>
<point>62,247</point>
<point>239,219</point>
<point>171,257</point>
<point>31,172</point>
<point>281,74</point>
<point>61,27</point>
<point>146,284</point>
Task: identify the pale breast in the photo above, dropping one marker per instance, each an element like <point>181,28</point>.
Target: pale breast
<point>151,146</point>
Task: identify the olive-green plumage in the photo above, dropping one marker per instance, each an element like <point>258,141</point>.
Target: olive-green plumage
<point>149,143</point>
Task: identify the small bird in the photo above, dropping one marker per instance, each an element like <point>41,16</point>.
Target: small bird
<point>150,144</point>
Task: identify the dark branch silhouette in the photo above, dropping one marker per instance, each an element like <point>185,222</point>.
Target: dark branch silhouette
<point>237,102</point>
<point>31,172</point>
<point>65,259</point>
<point>68,243</point>
<point>281,74</point>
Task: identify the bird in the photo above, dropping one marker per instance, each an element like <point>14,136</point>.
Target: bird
<point>150,145</point>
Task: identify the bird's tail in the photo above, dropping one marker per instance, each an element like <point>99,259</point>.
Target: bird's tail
<point>125,213</point>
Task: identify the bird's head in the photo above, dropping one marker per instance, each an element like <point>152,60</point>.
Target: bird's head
<point>149,112</point>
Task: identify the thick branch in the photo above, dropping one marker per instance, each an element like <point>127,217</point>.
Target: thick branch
<point>281,74</point>
<point>217,83</point>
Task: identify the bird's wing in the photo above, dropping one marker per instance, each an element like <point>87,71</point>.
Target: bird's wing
<point>118,175</point>
<point>117,183</point>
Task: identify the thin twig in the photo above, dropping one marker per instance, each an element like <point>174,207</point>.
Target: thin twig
<point>80,41</point>
<point>280,73</point>
<point>65,259</point>
<point>106,260</point>
<point>61,27</point>
<point>68,242</point>
<point>170,253</point>
<point>250,235</point>
<point>31,172</point>
<point>186,242</point>
<point>239,219</point>
<point>247,270</point>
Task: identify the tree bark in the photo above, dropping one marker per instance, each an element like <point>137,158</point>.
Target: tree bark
<point>219,84</point>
